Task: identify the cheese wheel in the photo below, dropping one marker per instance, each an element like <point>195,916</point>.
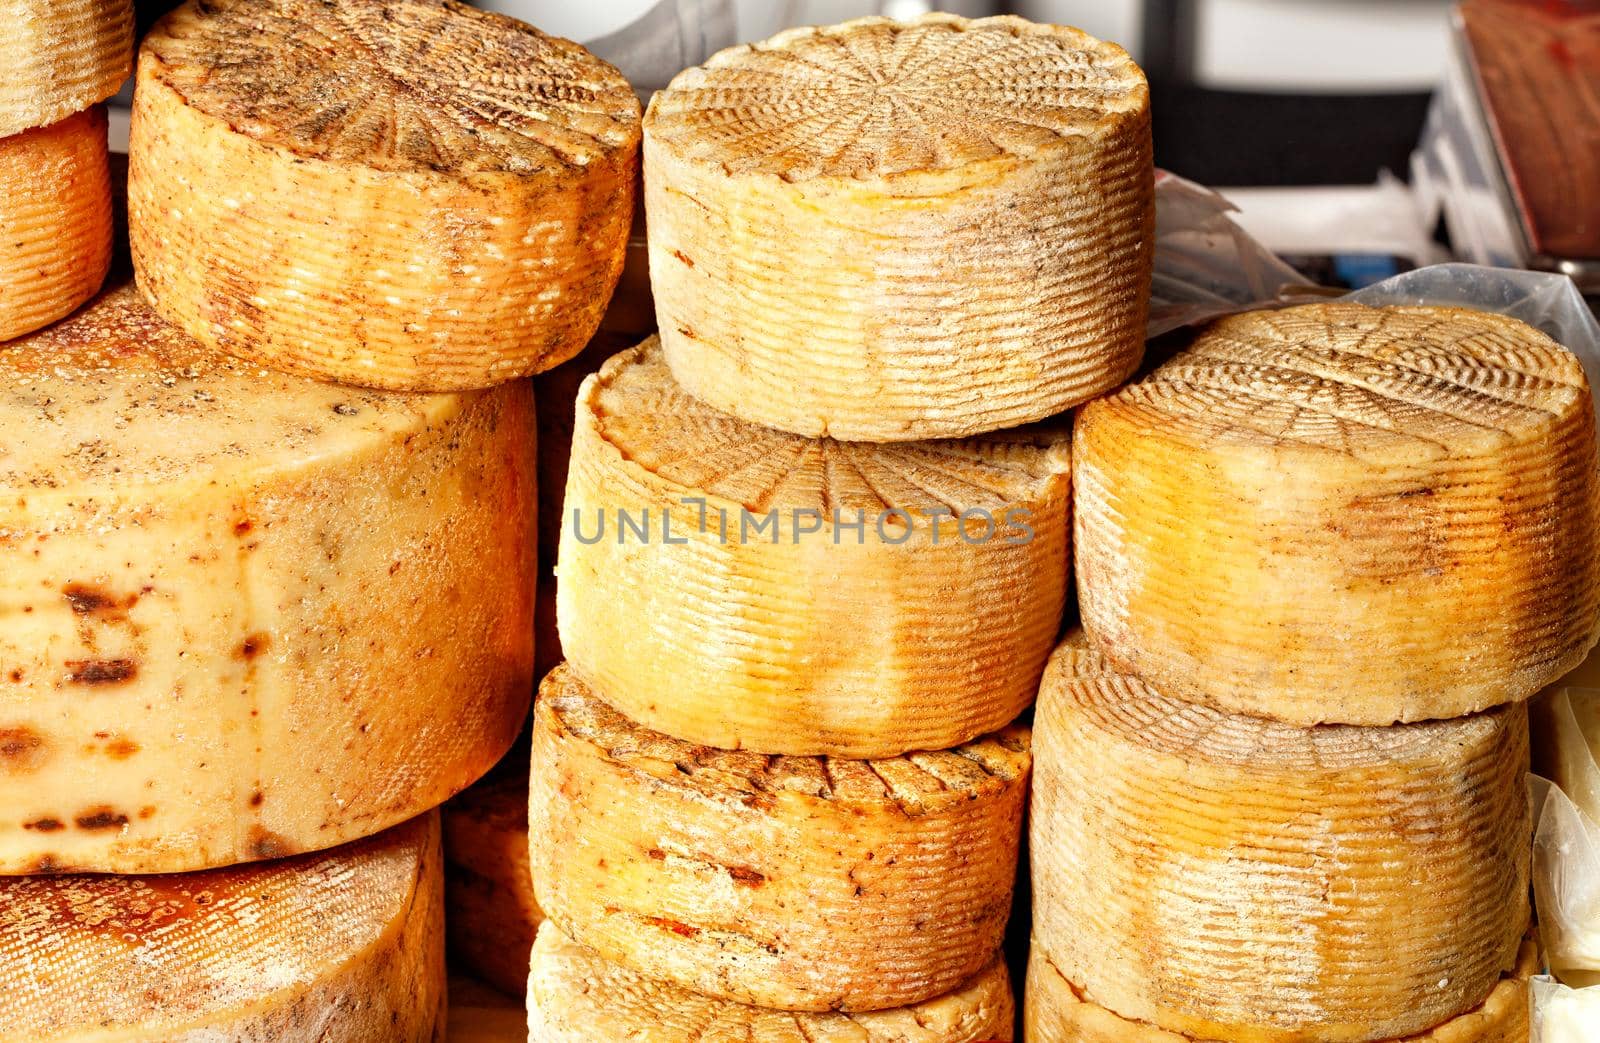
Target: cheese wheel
<point>1336,513</point>
<point>341,947</point>
<point>796,883</point>
<point>406,194</point>
<point>806,596</point>
<point>245,615</point>
<point>885,231</point>
<point>1229,877</point>
<point>1055,1011</point>
<point>55,221</point>
<point>60,57</point>
<point>574,996</point>
<point>488,889</point>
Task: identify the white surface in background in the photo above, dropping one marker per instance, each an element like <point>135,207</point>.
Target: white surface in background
<point>1353,45</point>
<point>1114,20</point>
<point>575,21</point>
<point>1344,219</point>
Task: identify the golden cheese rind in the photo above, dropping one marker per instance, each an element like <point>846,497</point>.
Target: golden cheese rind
<point>407,194</point>
<point>1055,1011</point>
<point>245,614</point>
<point>488,888</point>
<point>574,996</point>
<point>55,220</point>
<point>796,883</point>
<point>60,57</point>
<point>868,635</point>
<point>343,945</point>
<point>885,231</point>
<point>1343,514</point>
<point>1228,877</point>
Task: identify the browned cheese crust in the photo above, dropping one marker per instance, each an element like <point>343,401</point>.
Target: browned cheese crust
<point>408,194</point>
<point>797,883</point>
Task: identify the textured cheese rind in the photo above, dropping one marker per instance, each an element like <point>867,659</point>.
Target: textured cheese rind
<point>840,642</point>
<point>1336,513</point>
<point>60,57</point>
<point>883,231</point>
<point>406,194</point>
<point>245,614</point>
<point>55,220</point>
<point>488,888</point>
<point>1056,1012</point>
<point>1229,877</point>
<point>574,996</point>
<point>796,883</point>
<point>345,945</point>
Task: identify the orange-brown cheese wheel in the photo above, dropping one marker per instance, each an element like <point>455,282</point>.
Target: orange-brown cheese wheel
<point>346,945</point>
<point>55,220</point>
<point>409,194</point>
<point>245,614</point>
<point>488,888</point>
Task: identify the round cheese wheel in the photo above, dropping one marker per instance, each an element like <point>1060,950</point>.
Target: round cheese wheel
<point>245,614</point>
<point>407,194</point>
<point>888,231</point>
<point>60,57</point>
<point>488,889</point>
<point>1056,1012</point>
<point>797,883</point>
<point>1336,513</point>
<point>55,220</point>
<point>804,596</point>
<point>574,996</point>
<point>1228,877</point>
<point>345,946</point>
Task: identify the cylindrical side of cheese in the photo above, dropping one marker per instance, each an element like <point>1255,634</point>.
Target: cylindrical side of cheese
<point>889,231</point>
<point>346,945</point>
<point>493,914</point>
<point>406,194</point>
<point>1343,514</point>
<point>245,615</point>
<point>55,220</point>
<point>1228,877</point>
<point>796,883</point>
<point>60,57</point>
<point>1055,1011</point>
<point>741,587</point>
<point>575,996</point>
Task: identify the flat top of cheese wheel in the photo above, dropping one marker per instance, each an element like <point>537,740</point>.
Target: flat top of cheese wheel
<point>114,397</point>
<point>1362,381</point>
<point>1082,682</point>
<point>154,952</point>
<point>395,85</point>
<point>916,783</point>
<point>702,451</point>
<point>876,98</point>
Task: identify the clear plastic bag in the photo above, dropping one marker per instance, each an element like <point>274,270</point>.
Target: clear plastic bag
<point>1566,870</point>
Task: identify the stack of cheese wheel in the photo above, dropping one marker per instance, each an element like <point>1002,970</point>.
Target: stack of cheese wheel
<point>815,547</point>
<point>61,60</point>
<point>1324,555</point>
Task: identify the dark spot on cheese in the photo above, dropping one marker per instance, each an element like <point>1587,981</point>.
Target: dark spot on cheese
<point>46,865</point>
<point>257,799</point>
<point>688,331</point>
<point>747,877</point>
<point>21,749</point>
<point>266,844</point>
<point>45,825</point>
<point>680,255</point>
<point>147,811</point>
<point>121,749</point>
<point>344,409</point>
<point>88,600</point>
<point>101,671</point>
<point>657,854</point>
<point>16,676</point>
<point>677,927</point>
<point>102,817</point>
<point>243,528</point>
<point>254,645</point>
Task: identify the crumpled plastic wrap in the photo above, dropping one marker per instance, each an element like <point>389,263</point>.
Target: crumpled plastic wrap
<point>1566,870</point>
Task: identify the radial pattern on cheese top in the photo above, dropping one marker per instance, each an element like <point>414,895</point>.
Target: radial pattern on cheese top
<point>60,57</point>
<point>1057,1012</point>
<point>246,614</point>
<point>1337,513</point>
<point>1335,883</point>
<point>797,883</point>
<point>404,85</point>
<point>345,945</point>
<point>575,996</point>
<point>888,231</point>
<point>944,562</point>
<point>874,98</point>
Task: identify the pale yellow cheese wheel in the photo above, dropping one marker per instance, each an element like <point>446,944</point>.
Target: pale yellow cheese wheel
<point>60,57</point>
